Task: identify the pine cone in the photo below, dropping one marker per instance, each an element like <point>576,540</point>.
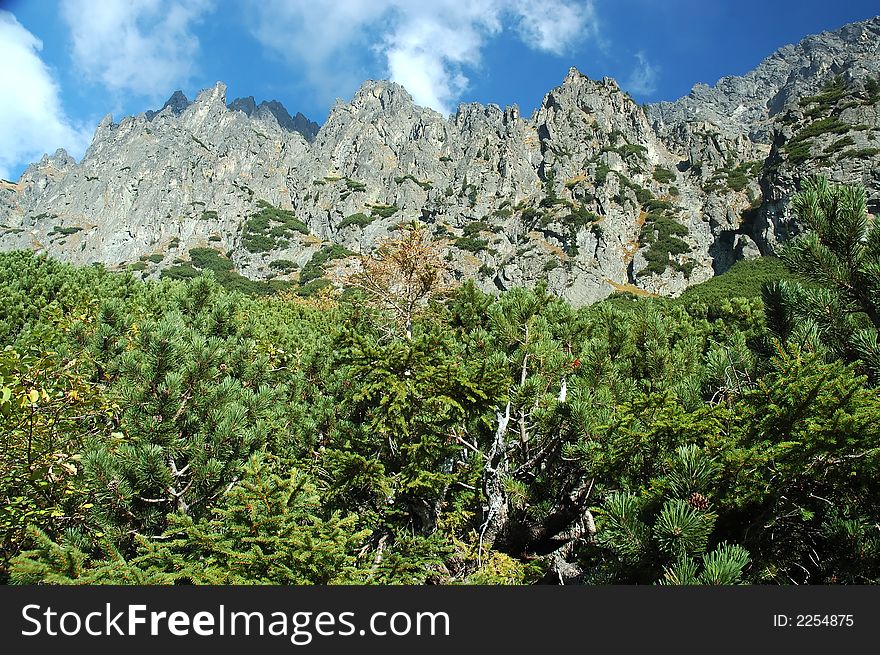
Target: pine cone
<point>698,501</point>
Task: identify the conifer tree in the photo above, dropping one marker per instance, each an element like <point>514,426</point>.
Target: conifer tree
<point>71,560</point>
<point>800,457</point>
<point>839,256</point>
<point>192,409</point>
<point>410,392</point>
<point>266,530</point>
<point>410,401</point>
<point>403,274</point>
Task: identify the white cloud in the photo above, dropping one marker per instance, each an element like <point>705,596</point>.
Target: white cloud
<point>326,42</point>
<point>431,45</point>
<point>643,78</point>
<point>144,47</point>
<point>556,25</point>
<point>32,120</point>
<point>428,47</point>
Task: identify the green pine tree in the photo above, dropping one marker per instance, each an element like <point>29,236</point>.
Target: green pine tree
<point>838,256</point>
<point>193,407</point>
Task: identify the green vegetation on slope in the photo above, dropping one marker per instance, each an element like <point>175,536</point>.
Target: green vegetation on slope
<point>745,279</point>
<point>270,228</point>
<point>174,431</point>
<point>208,260</point>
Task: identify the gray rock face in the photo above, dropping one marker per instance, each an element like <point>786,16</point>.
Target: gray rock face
<point>246,105</point>
<point>836,137</point>
<point>746,105</point>
<point>160,186</point>
<point>177,103</point>
<point>592,193</point>
<point>275,110</point>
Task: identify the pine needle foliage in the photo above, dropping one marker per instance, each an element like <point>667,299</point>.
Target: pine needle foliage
<point>403,274</point>
<point>407,431</point>
<point>839,253</point>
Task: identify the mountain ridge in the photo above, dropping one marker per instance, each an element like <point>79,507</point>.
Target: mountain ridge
<point>593,193</point>
<point>836,51</point>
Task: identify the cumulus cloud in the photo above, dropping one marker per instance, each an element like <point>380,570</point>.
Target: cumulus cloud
<point>145,47</point>
<point>556,25</point>
<point>642,79</point>
<point>326,42</point>
<point>428,47</point>
<point>32,120</point>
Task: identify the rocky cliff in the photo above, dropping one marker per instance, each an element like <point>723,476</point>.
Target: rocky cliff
<point>592,193</point>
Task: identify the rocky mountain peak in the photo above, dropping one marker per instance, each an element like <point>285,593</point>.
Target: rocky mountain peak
<point>276,112</point>
<point>592,193</point>
<point>381,95</point>
<point>599,105</point>
<point>573,75</point>
<point>247,105</point>
<point>580,91</point>
<point>743,104</point>
<point>308,128</point>
<point>212,95</point>
<point>207,110</point>
<point>177,103</point>
<point>576,79</point>
<point>58,162</point>
<point>279,113</point>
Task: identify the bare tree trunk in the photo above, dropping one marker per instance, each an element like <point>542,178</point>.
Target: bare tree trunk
<point>560,569</point>
<point>496,470</point>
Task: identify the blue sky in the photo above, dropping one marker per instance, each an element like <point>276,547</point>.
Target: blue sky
<point>66,63</point>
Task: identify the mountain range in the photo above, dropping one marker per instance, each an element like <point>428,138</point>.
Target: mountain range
<point>593,193</point>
